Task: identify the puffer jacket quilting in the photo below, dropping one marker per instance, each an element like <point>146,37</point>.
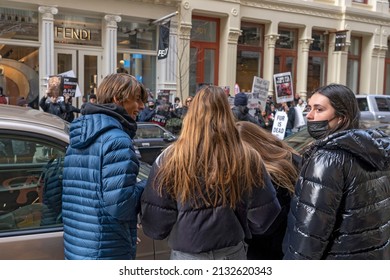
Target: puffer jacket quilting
<point>341,207</point>
<point>100,190</point>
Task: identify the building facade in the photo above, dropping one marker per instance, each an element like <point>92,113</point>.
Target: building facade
<point>221,42</point>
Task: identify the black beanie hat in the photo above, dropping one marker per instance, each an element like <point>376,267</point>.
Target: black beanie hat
<point>241,99</point>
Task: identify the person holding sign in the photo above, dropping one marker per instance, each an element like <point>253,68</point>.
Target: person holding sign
<point>53,106</point>
<point>341,206</point>
<point>209,190</point>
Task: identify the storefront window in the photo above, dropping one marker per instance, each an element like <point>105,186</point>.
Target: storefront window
<point>316,74</point>
<point>19,73</point>
<point>251,35</point>
<point>204,30</point>
<point>77,30</point>
<point>133,35</point>
<point>286,39</point>
<point>249,55</point>
<point>18,24</point>
<point>142,67</point>
<point>353,66</point>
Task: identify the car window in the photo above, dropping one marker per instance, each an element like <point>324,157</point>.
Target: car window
<point>30,183</point>
<point>149,131</point>
<point>362,103</point>
<point>383,104</point>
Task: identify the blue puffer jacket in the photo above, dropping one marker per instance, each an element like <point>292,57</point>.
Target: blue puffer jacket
<point>341,206</point>
<point>101,196</point>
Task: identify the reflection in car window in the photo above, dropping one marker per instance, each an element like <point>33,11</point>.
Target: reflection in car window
<point>362,103</point>
<point>383,104</point>
<point>150,131</point>
<point>30,183</point>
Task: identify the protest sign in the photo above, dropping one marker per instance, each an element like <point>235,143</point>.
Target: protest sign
<point>283,87</point>
<point>260,91</point>
<point>280,123</point>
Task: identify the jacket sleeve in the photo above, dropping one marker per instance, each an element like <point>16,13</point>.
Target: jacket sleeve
<point>314,207</point>
<point>263,206</point>
<point>120,190</point>
<point>42,103</point>
<point>158,212</point>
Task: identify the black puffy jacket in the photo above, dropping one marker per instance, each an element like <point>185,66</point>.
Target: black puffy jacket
<point>341,206</point>
<point>206,228</point>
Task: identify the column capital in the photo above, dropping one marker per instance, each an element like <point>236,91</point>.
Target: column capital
<point>234,34</point>
<point>185,30</point>
<point>271,39</point>
<point>47,12</point>
<point>112,20</point>
<point>305,43</point>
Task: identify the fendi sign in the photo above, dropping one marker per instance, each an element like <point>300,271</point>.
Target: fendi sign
<point>70,33</point>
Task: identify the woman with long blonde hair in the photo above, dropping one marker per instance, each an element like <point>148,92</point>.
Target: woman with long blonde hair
<point>209,190</point>
<point>282,163</point>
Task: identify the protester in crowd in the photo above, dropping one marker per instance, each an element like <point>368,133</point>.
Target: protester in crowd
<point>3,98</point>
<point>342,199</point>
<point>289,109</point>
<point>208,190</point>
<point>100,192</point>
<point>240,109</point>
<point>177,103</point>
<point>282,163</point>
<point>53,106</point>
<point>92,98</point>
<point>70,115</point>
<point>148,112</point>
<point>183,112</point>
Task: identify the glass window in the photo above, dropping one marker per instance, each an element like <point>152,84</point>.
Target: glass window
<point>204,30</point>
<point>132,35</point>
<point>319,42</point>
<point>248,65</point>
<point>209,60</point>
<point>18,24</point>
<point>251,36</point>
<point>353,66</point>
<point>316,73</point>
<point>383,104</point>
<point>30,183</point>
<point>141,66</point>
<point>286,39</point>
<point>77,30</point>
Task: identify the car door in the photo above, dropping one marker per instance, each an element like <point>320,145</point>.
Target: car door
<point>382,104</point>
<point>30,196</point>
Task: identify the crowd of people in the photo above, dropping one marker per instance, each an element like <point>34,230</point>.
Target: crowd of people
<point>227,188</point>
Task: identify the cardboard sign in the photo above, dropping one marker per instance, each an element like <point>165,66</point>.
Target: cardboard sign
<point>280,123</point>
<point>260,91</point>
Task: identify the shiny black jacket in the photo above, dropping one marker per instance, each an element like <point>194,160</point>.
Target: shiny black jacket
<point>341,207</point>
<point>206,228</point>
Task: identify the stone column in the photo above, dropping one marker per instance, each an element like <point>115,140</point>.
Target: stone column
<point>303,60</point>
<point>269,58</point>
<point>110,44</point>
<point>231,58</point>
<point>46,51</point>
<point>183,61</point>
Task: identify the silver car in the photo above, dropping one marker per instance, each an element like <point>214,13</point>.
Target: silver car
<point>31,145</point>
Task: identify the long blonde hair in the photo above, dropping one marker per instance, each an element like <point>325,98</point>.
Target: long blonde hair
<point>209,164</point>
<point>276,154</point>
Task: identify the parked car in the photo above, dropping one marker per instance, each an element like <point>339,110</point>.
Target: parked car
<point>32,147</point>
<point>301,139</point>
<point>374,107</point>
<point>151,139</point>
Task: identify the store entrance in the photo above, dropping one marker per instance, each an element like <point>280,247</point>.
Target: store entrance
<point>86,66</point>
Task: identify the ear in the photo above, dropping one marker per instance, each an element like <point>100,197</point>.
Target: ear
<point>116,100</point>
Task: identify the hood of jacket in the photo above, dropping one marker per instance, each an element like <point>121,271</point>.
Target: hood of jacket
<point>96,119</point>
<point>372,146</point>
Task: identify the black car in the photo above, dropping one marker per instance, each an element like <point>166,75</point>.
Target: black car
<point>151,139</point>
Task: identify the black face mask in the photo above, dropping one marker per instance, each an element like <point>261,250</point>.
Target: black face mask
<point>318,129</point>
